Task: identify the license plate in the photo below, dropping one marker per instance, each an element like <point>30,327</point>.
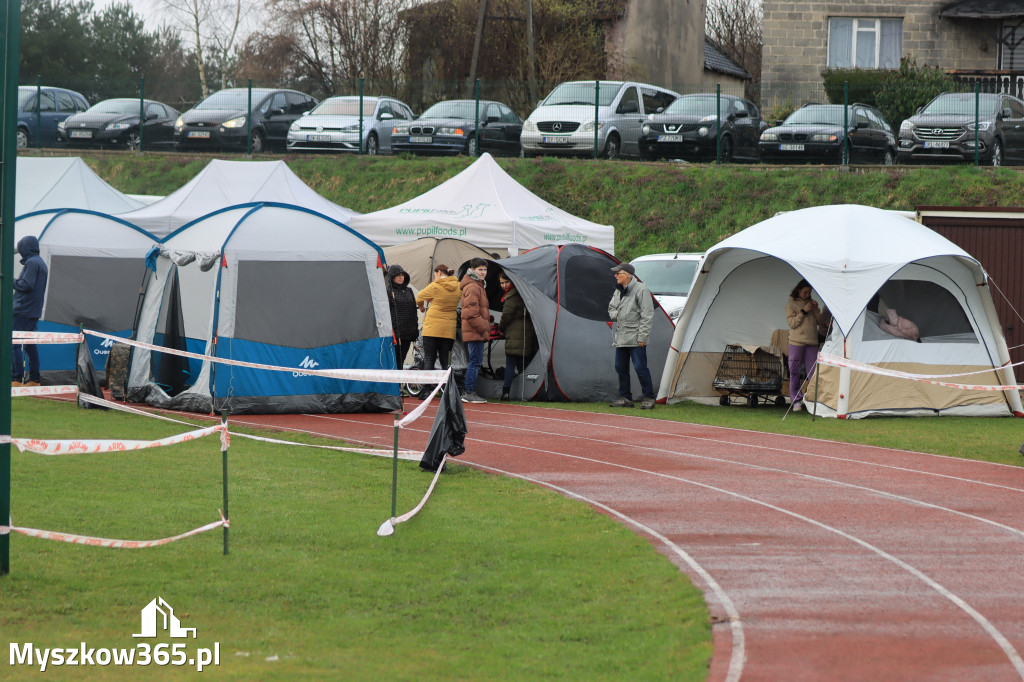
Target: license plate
<point>81,133</point>
<point>554,140</point>
<point>791,147</point>
<point>421,139</point>
<point>201,134</point>
<point>318,138</point>
<point>670,138</point>
<point>936,144</point>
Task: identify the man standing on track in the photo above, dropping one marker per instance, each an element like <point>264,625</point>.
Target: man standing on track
<point>632,311</point>
<point>29,290</point>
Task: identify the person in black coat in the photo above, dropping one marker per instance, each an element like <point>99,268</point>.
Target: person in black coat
<point>29,293</point>
<point>517,328</point>
<point>404,321</point>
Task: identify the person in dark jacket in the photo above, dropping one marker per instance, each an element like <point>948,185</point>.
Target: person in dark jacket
<point>404,321</point>
<point>476,323</point>
<point>517,328</point>
<point>29,291</point>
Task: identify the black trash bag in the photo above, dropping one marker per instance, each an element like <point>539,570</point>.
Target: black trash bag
<point>88,380</point>
<point>448,434</point>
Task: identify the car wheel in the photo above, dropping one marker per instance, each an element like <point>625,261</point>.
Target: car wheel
<point>132,141</point>
<point>22,138</point>
<point>471,146</point>
<point>257,142</point>
<point>726,149</point>
<point>889,158</point>
<point>372,147</point>
<point>611,147</point>
<point>997,153</point>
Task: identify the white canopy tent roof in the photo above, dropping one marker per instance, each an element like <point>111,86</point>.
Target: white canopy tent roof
<point>230,183</point>
<point>484,206</point>
<point>67,182</point>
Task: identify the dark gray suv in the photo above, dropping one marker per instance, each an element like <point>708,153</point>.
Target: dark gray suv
<point>943,130</point>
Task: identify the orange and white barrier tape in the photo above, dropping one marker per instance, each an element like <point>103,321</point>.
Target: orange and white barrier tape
<point>384,376</point>
<point>47,337</point>
<point>836,361</point>
<point>106,542</point>
<point>22,391</point>
<point>419,409</point>
<point>388,527</point>
<point>86,446</point>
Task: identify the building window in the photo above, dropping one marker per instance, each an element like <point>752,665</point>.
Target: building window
<point>864,43</point>
<point>1011,49</point>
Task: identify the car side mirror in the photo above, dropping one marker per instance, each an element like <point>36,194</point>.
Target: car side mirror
<point>659,110</point>
<point>918,110</point>
<point>861,124</point>
<point>777,122</point>
<point>741,114</point>
<point>385,116</point>
<point>630,107</point>
<point>276,111</point>
<point>150,117</point>
<point>305,113</point>
<point>492,119</point>
<point>1007,113</point>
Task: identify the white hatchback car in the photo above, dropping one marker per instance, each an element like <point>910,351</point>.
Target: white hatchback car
<point>335,123</point>
<point>669,276</point>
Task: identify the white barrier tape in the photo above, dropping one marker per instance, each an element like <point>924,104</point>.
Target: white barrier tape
<point>388,527</point>
<point>46,337</point>
<point>402,454</point>
<point>22,391</point>
<point>388,376</point>
<point>418,411</point>
<point>106,542</point>
<point>835,361</point>
<point>85,446</point>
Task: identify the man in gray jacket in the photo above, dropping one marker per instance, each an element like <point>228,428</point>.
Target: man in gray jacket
<point>632,311</point>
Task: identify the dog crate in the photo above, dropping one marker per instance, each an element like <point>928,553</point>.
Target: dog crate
<point>751,372</point>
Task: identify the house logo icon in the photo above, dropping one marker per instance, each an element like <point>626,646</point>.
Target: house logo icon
<point>158,615</point>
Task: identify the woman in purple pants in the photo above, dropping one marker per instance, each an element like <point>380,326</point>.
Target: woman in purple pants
<point>803,317</point>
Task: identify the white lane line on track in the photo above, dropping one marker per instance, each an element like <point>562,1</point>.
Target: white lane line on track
<point>793,452</point>
<point>986,625</point>
<point>739,653</point>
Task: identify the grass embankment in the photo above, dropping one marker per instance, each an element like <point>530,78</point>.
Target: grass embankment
<point>653,206</point>
<point>496,579</point>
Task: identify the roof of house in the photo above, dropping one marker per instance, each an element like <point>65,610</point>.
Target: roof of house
<point>984,9</point>
<point>716,60</point>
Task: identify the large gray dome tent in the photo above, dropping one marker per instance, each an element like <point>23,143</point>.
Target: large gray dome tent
<point>267,283</point>
<point>566,290</point>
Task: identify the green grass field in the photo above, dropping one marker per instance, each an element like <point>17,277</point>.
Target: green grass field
<point>495,579</point>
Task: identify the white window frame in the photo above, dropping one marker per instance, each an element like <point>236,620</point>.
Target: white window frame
<point>865,25</point>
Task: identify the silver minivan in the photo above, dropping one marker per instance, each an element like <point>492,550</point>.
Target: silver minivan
<point>564,122</point>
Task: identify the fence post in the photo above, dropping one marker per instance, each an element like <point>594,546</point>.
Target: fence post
<point>846,123</point>
<point>142,109</point>
<point>718,123</point>
<point>977,106</point>
<point>476,128</point>
<point>39,116</point>
<point>597,111</point>
<point>361,115</point>
<point>248,122</point>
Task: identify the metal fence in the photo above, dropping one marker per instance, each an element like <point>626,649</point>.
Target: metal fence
<point>788,123</point>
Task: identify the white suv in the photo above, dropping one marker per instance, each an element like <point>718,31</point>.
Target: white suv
<point>564,122</point>
<point>669,276</point>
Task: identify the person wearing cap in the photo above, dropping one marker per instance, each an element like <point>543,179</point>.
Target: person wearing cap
<point>632,312</point>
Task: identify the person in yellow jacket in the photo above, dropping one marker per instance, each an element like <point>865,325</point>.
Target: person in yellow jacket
<point>443,295</point>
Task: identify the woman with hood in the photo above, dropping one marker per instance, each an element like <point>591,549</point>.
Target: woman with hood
<point>439,323</point>
<point>517,328</point>
<point>476,323</point>
<point>404,321</point>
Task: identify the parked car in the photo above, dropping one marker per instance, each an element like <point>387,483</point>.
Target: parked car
<point>115,123</point>
<point>333,126</point>
<point>54,105</point>
<point>450,127</point>
<point>220,120</point>
<point>943,130</point>
<point>688,129</point>
<point>814,133</point>
<point>564,122</point>
<point>669,277</point>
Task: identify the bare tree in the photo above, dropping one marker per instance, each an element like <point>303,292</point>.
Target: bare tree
<point>213,27</point>
<point>735,25</point>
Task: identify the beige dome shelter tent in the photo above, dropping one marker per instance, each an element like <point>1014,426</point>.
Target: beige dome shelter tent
<point>861,262</point>
<point>419,257</point>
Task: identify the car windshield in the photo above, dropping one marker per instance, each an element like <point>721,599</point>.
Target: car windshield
<point>962,105</point>
<point>582,93</point>
<point>115,106</point>
<point>344,107</point>
<point>695,105</point>
<point>671,277</point>
<point>826,114</point>
<point>454,110</point>
<point>225,99</point>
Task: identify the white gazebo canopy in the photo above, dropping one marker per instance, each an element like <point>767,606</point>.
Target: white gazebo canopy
<point>67,182</point>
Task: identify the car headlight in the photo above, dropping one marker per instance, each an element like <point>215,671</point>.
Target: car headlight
<point>588,127</point>
<point>351,129</point>
<point>906,127</point>
<point>451,131</point>
<point>529,126</point>
<point>983,125</point>
<point>179,124</point>
<point>235,123</point>
<point>769,136</point>
<point>118,126</point>
<point>62,125</point>
<point>400,130</point>
<point>674,315</point>
<point>824,137</point>
<point>646,129</point>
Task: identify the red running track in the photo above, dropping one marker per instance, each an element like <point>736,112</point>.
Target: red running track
<point>818,560</point>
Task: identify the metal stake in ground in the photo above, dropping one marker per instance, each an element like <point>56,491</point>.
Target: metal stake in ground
<point>224,476</point>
